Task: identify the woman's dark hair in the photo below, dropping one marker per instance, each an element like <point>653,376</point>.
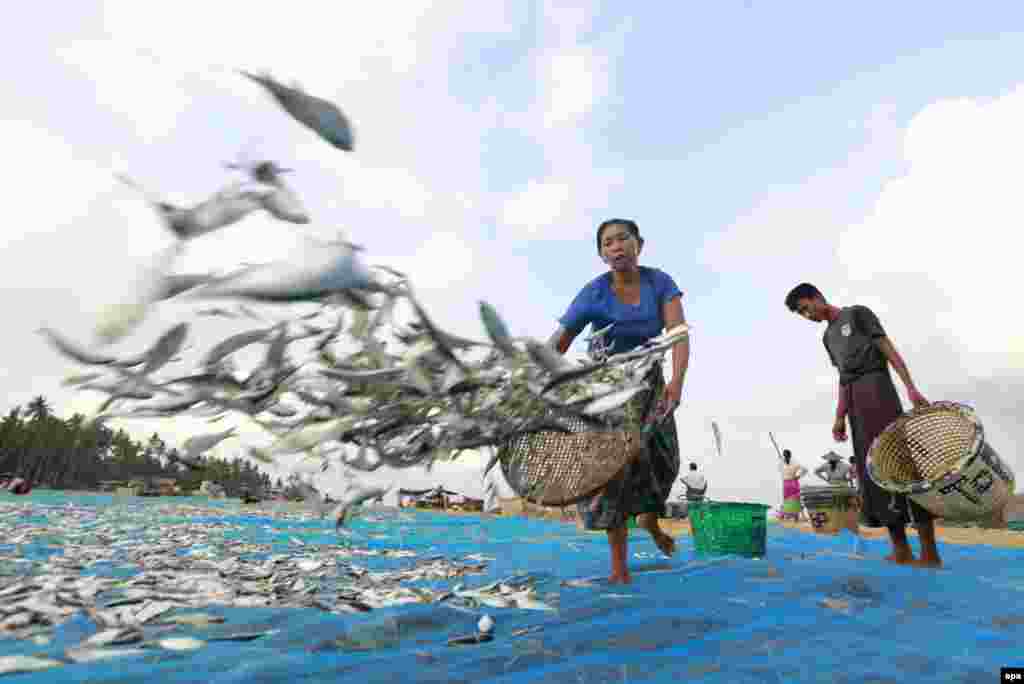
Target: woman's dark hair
<point>786,455</point>
<point>630,226</point>
<point>802,291</point>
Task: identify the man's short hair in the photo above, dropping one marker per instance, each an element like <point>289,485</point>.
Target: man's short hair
<point>802,291</point>
<point>693,466</point>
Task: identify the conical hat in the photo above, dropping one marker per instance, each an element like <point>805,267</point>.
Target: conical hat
<point>832,456</point>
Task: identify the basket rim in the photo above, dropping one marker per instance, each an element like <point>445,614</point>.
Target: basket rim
<point>635,438</point>
<point>924,486</point>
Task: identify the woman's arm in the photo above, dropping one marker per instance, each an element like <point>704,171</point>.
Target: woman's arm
<point>672,312</point>
<point>561,340</point>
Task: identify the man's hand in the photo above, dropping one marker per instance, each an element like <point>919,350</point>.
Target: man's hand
<point>839,430</point>
<point>916,398</point>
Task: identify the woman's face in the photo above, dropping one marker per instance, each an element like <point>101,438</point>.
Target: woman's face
<point>619,248</point>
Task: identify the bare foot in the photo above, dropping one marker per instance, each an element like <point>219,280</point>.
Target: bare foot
<point>933,562</point>
<point>900,558</point>
<point>665,543</point>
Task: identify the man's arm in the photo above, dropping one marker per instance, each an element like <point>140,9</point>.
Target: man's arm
<point>842,407</point>
<point>895,360</point>
<point>672,312</point>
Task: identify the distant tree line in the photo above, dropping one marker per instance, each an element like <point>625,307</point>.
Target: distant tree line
<point>68,453</point>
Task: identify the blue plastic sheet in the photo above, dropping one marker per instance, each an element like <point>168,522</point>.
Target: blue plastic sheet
<point>809,611</point>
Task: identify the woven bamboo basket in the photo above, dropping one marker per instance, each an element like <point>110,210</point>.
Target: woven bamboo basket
<point>937,455</point>
<point>557,469</point>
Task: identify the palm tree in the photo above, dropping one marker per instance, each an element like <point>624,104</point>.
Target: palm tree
<point>39,409</point>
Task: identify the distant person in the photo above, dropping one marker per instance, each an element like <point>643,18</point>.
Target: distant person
<point>862,353</point>
<point>696,488</point>
<point>791,474</point>
<point>833,471</point>
<point>696,484</point>
<point>635,303</point>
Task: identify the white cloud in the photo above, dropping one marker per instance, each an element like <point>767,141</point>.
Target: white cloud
<point>953,224</point>
<point>540,207</point>
<point>575,80</point>
<point>148,95</point>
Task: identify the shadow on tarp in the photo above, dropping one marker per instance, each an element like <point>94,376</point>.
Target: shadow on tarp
<point>809,611</point>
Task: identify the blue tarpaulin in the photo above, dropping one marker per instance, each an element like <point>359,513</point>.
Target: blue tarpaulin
<point>809,611</point>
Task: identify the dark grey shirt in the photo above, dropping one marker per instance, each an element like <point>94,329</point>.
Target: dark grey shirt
<point>850,343</point>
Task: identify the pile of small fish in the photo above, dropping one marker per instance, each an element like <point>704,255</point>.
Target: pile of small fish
<point>131,581</point>
<point>366,391</point>
<point>405,401</point>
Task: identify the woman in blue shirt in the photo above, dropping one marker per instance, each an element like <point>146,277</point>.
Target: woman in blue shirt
<point>639,303</point>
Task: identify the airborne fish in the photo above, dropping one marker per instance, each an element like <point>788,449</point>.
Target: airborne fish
<point>320,116</point>
<point>316,274</point>
<point>227,206</point>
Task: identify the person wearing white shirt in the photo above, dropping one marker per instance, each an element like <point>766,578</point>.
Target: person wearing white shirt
<point>833,471</point>
<point>696,487</point>
<point>696,484</point>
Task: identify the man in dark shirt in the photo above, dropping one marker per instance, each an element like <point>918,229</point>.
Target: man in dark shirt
<point>862,353</point>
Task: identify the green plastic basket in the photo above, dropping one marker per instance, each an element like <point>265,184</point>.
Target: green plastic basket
<point>729,528</point>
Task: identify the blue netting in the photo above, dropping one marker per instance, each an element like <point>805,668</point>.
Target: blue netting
<point>807,612</point>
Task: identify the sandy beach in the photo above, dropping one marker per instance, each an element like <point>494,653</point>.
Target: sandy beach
<point>1002,538</point>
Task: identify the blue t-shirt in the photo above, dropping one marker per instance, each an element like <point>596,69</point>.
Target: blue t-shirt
<point>597,305</point>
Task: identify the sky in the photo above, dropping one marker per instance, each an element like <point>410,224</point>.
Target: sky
<point>872,150</point>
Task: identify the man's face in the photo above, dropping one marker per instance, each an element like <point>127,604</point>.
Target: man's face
<point>813,309</point>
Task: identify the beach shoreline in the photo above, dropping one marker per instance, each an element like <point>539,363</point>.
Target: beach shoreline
<point>1002,538</point>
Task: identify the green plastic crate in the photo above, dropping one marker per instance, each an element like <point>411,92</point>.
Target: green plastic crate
<point>721,528</point>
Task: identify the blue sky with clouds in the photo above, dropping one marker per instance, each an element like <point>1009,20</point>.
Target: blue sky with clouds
<point>870,148</point>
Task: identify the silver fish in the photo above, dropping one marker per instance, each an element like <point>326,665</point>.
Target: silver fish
<point>226,207</point>
<point>320,116</point>
<point>73,351</point>
<point>234,343</point>
<point>496,329</point>
<point>613,401</point>
<point>319,273</point>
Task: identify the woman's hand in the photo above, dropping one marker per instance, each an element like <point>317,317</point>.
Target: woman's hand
<point>669,401</point>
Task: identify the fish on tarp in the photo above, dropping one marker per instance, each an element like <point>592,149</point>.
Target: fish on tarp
<point>322,117</point>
